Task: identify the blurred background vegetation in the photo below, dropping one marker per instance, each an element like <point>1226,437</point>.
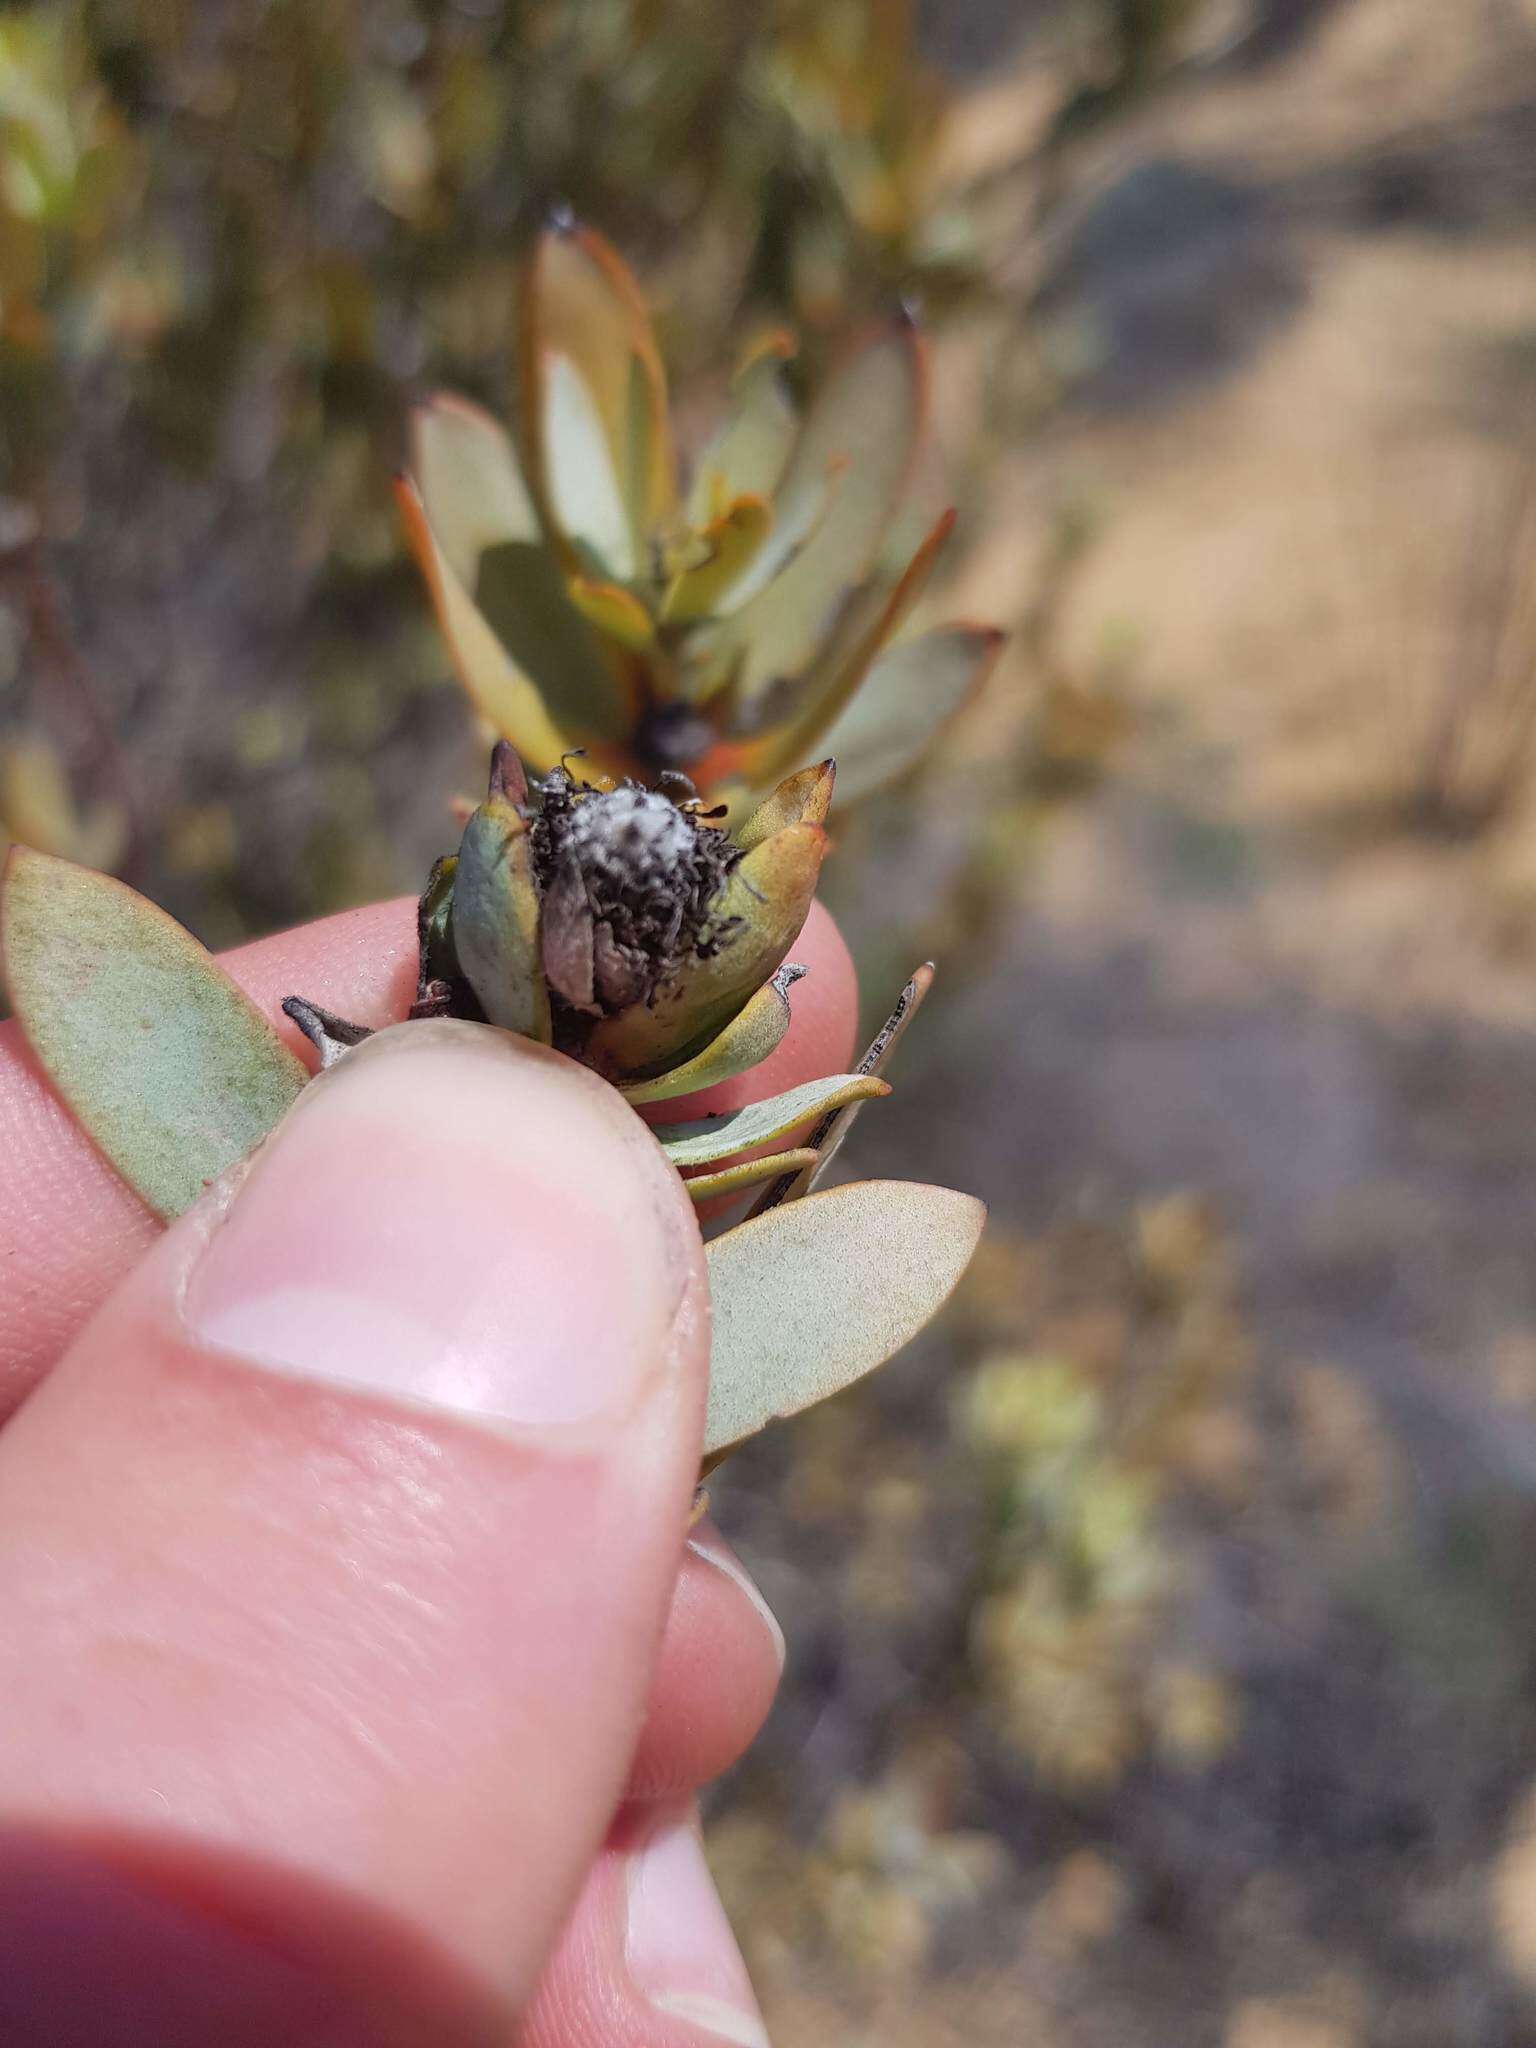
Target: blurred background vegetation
<point>1162,1647</point>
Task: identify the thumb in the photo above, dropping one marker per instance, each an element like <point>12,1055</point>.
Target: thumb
<point>333,1559</point>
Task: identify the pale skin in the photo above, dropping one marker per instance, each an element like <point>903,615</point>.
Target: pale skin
<point>358,1667</point>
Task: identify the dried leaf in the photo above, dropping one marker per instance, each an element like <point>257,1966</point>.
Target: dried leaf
<point>168,1066</point>
<point>711,1138</point>
<point>814,1295</point>
<point>826,1140</point>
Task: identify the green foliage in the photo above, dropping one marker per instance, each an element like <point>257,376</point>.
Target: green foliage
<point>167,1065</point>
<point>723,630</point>
<point>345,184</point>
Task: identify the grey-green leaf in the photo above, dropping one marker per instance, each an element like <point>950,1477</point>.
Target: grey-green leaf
<point>470,482</point>
<point>717,1137</point>
<point>812,1296</point>
<point>745,1042</point>
<point>495,920</point>
<point>167,1065</point>
<point>903,703</point>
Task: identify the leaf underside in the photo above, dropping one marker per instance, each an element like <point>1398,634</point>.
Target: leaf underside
<point>167,1065</point>
<point>815,1294</point>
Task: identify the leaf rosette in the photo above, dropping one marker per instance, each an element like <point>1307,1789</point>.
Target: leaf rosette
<point>730,628</point>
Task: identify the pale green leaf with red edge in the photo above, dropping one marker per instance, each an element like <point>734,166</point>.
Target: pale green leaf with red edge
<point>500,691</point>
<point>903,704</point>
<point>579,303</point>
<point>844,664</point>
<point>812,1296</point>
<point>747,454</point>
<point>717,1137</point>
<point>865,425</point>
<point>586,492</point>
<point>169,1067</point>
<point>471,483</point>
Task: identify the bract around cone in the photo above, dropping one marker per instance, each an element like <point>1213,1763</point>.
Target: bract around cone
<point>624,925</point>
<point>729,626</point>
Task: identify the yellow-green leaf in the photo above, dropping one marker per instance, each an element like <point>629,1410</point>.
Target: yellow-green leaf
<point>731,1180</point>
<point>753,442</point>
<point>732,543</point>
<point>745,1042</point>
<point>614,611</point>
<point>765,903</point>
<point>717,1137</point>
<point>526,601</point>
<point>167,1065</point>
<point>801,799</point>
<point>499,690</point>
<point>812,1296</point>
<point>495,920</point>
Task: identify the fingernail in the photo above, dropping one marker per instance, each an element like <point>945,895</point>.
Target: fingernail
<point>707,1543</point>
<point>458,1218</point>
<point>681,1954</point>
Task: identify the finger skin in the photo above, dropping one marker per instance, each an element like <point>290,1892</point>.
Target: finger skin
<point>313,1688</point>
<point>625,1977</point>
<point>715,1675</point>
<point>69,1228</point>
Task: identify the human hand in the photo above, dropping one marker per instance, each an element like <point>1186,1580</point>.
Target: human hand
<point>355,1679</point>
